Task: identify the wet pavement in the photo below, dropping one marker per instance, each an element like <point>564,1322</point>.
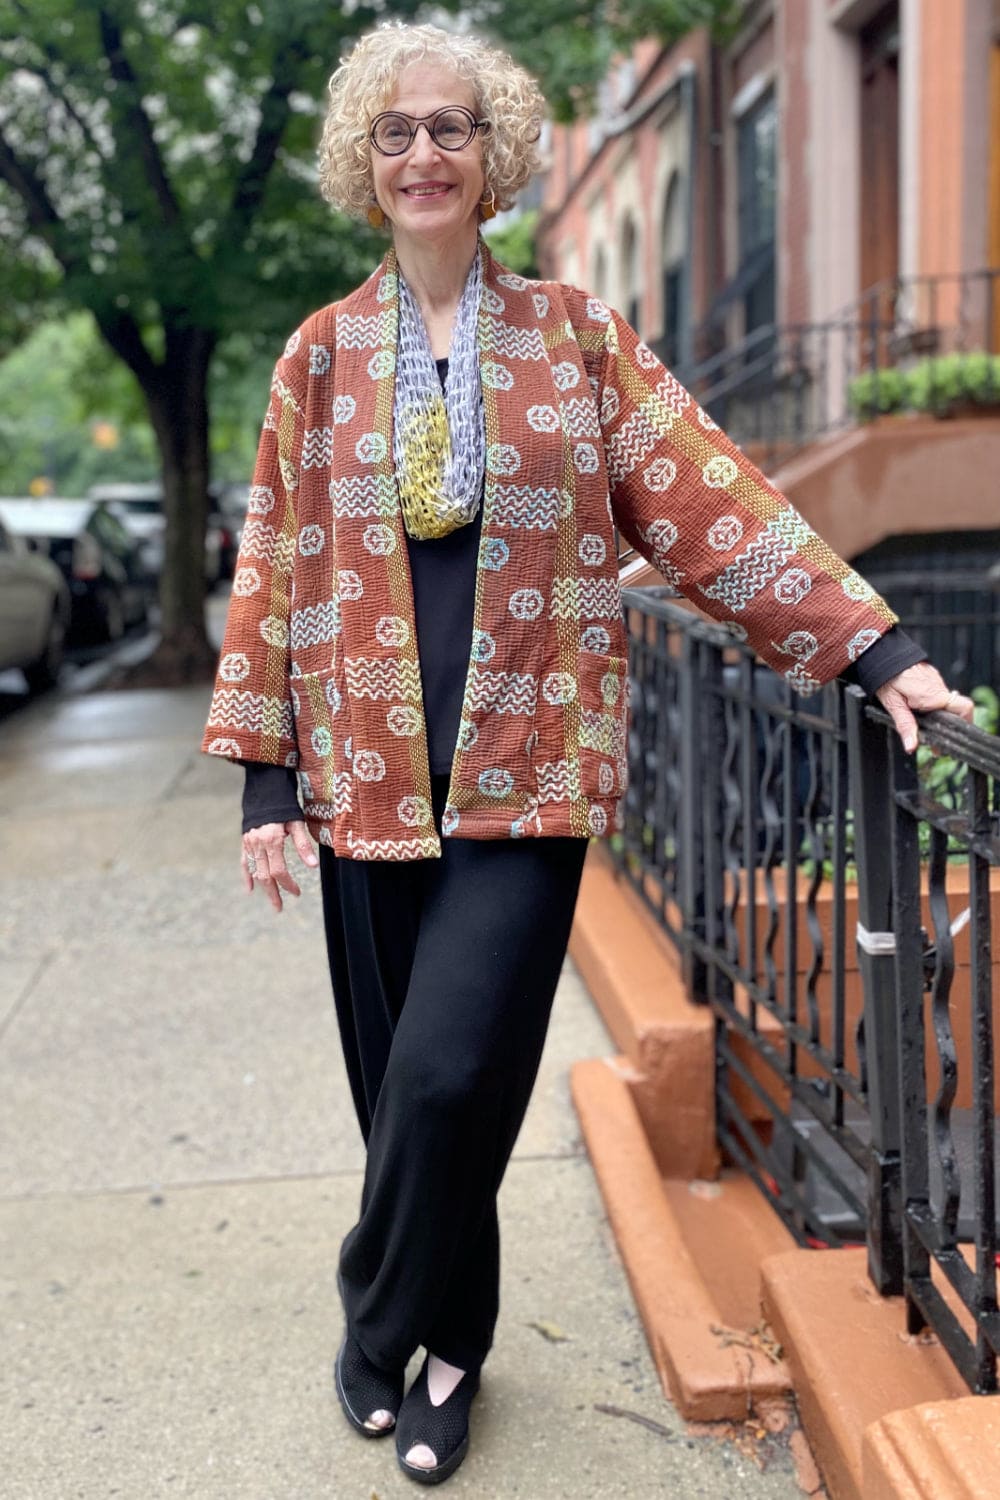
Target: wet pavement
<point>180,1161</point>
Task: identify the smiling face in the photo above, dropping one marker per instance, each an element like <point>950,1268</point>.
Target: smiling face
<point>427,193</point>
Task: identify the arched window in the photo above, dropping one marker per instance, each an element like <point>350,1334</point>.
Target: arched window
<point>600,277</point>
<point>631,292</point>
<point>673,242</point>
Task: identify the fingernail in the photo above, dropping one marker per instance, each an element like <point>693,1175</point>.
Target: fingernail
<point>909,744</point>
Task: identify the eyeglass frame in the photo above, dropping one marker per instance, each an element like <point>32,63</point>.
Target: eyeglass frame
<point>415,122</point>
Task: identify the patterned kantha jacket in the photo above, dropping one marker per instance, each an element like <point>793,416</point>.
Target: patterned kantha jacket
<point>585,429</point>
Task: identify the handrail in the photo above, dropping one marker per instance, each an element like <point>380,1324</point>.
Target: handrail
<point>766,862</point>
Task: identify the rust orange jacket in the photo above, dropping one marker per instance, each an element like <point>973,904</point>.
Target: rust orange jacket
<point>585,429</point>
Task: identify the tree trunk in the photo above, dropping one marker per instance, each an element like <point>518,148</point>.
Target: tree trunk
<point>178,408</point>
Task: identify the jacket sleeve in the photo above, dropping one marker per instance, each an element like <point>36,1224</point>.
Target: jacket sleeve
<point>250,718</point>
<point>695,506</point>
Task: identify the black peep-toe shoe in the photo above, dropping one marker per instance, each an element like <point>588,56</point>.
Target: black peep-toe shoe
<point>444,1429</point>
<point>362,1389</point>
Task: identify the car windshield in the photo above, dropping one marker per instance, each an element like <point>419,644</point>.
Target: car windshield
<point>143,507</point>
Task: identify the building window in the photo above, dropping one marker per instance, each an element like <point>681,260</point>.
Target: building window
<point>757,172</point>
<point>630,273</point>
<point>673,270</point>
<point>601,274</point>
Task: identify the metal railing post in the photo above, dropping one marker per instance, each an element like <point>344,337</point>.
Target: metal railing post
<point>868,762</point>
<point>691,830</point>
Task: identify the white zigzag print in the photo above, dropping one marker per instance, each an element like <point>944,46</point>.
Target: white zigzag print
<point>761,561</point>
<point>503,692</point>
<point>420,848</point>
<point>369,677</point>
<point>579,417</point>
<point>585,599</point>
<point>254,712</point>
<point>317,447</point>
<point>342,799</point>
<point>363,332</point>
<point>362,496</point>
<point>520,505</point>
<point>558,780</point>
<point>635,440</point>
<point>318,622</point>
<point>261,540</point>
<point>513,343</point>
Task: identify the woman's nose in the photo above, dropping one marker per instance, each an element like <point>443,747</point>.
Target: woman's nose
<point>423,146</point>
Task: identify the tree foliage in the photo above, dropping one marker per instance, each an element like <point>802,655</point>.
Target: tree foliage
<point>569,44</point>
<point>157,171</point>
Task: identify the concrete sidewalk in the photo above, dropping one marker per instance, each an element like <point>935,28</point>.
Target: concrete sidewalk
<point>180,1160</point>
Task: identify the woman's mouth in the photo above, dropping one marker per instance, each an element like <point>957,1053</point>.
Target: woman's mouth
<point>427,190</point>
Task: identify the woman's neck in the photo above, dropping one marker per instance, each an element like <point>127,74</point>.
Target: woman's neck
<point>436,273</point>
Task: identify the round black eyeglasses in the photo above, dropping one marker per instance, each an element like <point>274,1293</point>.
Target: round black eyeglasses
<point>451,128</point>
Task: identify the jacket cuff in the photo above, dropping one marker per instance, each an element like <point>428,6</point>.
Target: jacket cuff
<point>890,654</point>
<point>270,795</point>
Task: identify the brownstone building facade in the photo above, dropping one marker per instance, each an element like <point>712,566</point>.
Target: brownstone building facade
<point>832,146</point>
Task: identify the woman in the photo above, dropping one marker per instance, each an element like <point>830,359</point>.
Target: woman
<point>444,457</point>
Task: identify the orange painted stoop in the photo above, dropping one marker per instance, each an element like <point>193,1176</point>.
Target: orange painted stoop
<point>734,1312</point>
<point>648,1121</point>
<point>887,1415</point>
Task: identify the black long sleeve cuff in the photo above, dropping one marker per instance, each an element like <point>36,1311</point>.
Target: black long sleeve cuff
<point>890,654</point>
<point>270,795</point>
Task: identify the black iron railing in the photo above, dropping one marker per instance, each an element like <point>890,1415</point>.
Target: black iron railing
<point>948,1145</point>
<point>785,385</point>
<point>758,828</point>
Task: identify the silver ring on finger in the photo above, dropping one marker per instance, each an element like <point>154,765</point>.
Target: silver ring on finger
<point>952,696</point>
<point>251,866</point>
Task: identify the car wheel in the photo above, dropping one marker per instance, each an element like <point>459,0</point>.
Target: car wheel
<point>44,673</point>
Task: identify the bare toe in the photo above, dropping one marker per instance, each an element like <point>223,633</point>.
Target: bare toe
<point>380,1420</point>
<point>421,1457</point>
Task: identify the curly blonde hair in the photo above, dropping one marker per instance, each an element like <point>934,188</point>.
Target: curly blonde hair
<point>364,84</point>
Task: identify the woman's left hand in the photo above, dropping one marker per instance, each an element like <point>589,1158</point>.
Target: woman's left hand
<point>920,689</point>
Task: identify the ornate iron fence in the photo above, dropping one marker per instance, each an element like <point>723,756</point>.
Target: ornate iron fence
<point>947,1145</point>
<point>758,828</point>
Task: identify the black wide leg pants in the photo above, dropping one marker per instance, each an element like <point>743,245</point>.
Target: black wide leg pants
<point>444,972</point>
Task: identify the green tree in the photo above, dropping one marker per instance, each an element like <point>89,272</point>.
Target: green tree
<point>154,162</point>
<point>157,172</point>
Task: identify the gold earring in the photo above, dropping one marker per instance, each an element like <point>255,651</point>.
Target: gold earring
<point>488,206</point>
<point>376,217</point>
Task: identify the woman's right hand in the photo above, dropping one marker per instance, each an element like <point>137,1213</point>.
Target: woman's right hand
<point>263,859</point>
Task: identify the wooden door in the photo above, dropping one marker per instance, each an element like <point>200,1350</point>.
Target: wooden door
<point>880,149</point>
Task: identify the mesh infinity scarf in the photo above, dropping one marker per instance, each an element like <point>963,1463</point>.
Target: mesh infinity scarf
<point>439,441</point>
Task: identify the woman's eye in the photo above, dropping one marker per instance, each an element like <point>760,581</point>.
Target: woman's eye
<point>393,133</point>
<point>451,129</point>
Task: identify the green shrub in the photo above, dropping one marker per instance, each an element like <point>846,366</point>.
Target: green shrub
<point>936,385</point>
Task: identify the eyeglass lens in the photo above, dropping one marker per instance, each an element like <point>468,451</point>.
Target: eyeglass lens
<point>451,129</point>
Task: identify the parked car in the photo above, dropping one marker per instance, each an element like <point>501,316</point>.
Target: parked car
<point>34,612</point>
<point>139,507</point>
<point>108,583</point>
<point>228,513</point>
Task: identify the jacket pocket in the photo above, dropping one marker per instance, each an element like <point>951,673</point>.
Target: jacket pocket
<point>318,703</point>
<point>603,724</point>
